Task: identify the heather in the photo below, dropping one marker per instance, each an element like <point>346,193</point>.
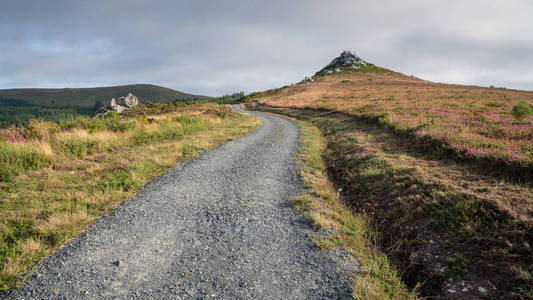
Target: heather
<point>473,122</point>
<point>446,226</point>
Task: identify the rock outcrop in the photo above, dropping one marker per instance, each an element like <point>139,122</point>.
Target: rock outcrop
<point>120,105</point>
<point>123,103</point>
<point>347,60</point>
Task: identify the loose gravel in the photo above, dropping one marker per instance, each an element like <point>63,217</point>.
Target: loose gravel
<point>219,226</point>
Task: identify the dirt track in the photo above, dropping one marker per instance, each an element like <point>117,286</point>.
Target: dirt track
<point>219,226</point>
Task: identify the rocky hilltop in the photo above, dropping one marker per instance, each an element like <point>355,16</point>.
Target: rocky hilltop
<point>347,61</point>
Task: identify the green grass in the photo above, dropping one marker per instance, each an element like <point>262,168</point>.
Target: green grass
<point>15,160</point>
<point>42,143</point>
<point>44,208</point>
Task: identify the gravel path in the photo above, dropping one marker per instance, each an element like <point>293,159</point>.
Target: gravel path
<point>219,226</point>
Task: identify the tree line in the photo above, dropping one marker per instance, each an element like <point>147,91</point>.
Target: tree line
<point>15,112</point>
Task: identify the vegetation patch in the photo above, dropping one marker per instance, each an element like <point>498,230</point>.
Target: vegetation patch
<point>493,127</point>
<point>340,226</point>
<point>450,228</point>
<point>229,99</point>
<point>79,172</point>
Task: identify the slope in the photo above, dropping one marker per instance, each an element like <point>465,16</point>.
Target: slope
<point>87,97</point>
<point>442,171</point>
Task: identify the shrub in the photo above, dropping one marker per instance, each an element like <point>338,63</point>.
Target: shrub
<point>170,131</point>
<point>522,110</point>
<point>190,124</point>
<point>141,137</point>
<point>77,148</point>
<point>118,126</point>
<point>118,178</point>
<point>40,130</point>
<point>188,152</point>
<point>111,121</point>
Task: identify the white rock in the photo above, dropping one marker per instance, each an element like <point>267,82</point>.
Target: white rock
<point>122,104</point>
<point>129,101</point>
<point>482,290</point>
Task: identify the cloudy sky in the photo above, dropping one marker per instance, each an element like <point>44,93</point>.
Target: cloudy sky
<point>222,46</point>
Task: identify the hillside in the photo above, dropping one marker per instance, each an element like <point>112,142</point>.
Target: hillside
<point>87,97</point>
<point>442,172</point>
<point>475,122</point>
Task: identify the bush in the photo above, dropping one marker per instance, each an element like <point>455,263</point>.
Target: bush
<point>40,130</point>
<point>170,131</point>
<point>77,148</point>
<point>522,110</point>
<point>188,152</point>
<point>118,178</point>
<point>141,137</point>
<point>220,111</point>
<point>190,125</point>
<point>121,126</point>
<point>111,121</point>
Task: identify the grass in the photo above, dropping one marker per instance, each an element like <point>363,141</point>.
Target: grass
<point>322,206</point>
<point>472,123</point>
<point>90,172</point>
<point>440,221</point>
<point>43,143</point>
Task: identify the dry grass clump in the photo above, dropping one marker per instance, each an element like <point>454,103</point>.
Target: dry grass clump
<point>93,166</point>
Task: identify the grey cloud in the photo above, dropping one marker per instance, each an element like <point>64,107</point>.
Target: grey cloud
<point>213,47</point>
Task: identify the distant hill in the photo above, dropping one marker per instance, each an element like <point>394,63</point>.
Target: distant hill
<point>87,97</point>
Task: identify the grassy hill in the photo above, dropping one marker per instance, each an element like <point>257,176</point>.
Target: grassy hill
<point>87,97</point>
<point>442,173</point>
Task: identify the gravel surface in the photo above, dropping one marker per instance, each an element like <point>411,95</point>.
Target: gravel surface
<point>219,226</point>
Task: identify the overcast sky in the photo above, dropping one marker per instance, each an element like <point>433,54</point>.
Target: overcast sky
<point>214,47</point>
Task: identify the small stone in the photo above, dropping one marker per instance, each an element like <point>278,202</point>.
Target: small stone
<point>464,290</point>
<point>118,263</point>
<point>482,290</point>
<point>452,291</point>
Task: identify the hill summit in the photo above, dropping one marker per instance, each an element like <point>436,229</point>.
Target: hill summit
<point>347,61</point>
